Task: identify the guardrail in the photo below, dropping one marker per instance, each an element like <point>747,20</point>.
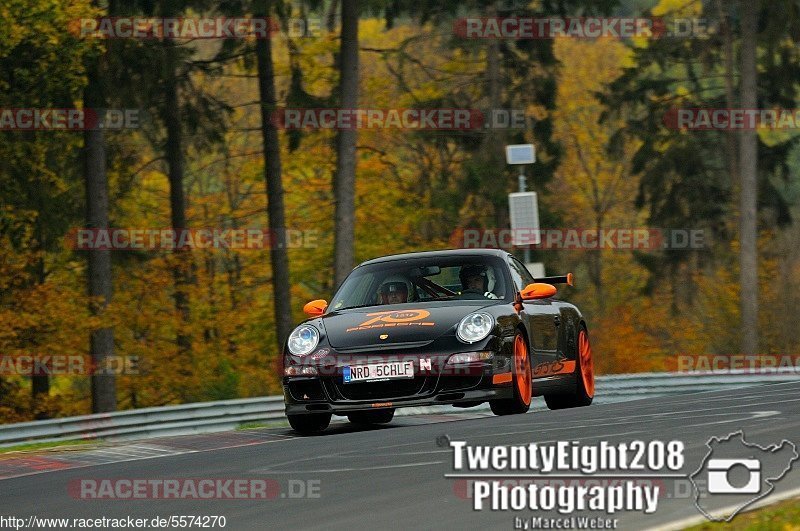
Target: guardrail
<point>201,417</point>
<point>225,415</point>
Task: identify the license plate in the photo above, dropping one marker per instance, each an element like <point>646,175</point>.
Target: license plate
<point>376,372</point>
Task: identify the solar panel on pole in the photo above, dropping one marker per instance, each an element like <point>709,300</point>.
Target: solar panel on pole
<point>524,210</point>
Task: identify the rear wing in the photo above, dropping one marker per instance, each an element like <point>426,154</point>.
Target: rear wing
<point>568,279</point>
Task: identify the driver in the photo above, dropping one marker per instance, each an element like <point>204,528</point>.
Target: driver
<point>477,278</point>
<point>394,290</point>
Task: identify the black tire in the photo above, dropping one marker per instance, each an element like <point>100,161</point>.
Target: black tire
<point>515,405</point>
<point>309,424</point>
<point>581,397</point>
<point>381,416</point>
<point>560,401</point>
<point>502,407</point>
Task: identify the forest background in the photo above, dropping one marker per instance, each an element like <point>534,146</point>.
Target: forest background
<point>207,324</point>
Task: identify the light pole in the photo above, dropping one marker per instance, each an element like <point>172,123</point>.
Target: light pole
<point>523,188</point>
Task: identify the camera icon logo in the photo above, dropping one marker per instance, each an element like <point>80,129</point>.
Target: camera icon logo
<point>719,472</point>
<point>735,473</point>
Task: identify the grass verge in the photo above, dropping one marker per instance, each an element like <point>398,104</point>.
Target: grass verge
<point>45,446</point>
<point>782,516</point>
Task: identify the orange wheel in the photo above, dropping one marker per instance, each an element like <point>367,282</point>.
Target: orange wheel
<point>522,386</point>
<point>522,371</point>
<point>583,393</point>
<point>587,365</point>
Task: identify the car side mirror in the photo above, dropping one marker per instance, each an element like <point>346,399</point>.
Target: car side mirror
<point>315,308</point>
<point>538,290</point>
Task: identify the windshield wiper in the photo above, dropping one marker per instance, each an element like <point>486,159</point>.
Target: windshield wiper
<point>355,307</point>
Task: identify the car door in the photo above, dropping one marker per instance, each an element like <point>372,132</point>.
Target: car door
<point>543,320</point>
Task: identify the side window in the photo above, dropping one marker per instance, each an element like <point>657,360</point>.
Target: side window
<point>522,277</point>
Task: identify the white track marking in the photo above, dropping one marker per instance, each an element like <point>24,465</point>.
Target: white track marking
<point>179,453</point>
<point>363,469</point>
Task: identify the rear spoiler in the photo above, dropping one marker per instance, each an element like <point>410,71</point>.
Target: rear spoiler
<point>568,279</point>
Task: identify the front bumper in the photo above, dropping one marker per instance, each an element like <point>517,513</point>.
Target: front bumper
<point>340,408</point>
<point>440,383</point>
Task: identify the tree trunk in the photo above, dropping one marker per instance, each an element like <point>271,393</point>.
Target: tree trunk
<point>181,268</point>
<point>596,266</point>
<point>344,179</point>
<point>330,16</point>
<point>493,88</point>
<point>748,151</point>
<point>730,97</point>
<point>104,395</point>
<point>491,145</point>
<point>40,383</point>
<point>274,186</point>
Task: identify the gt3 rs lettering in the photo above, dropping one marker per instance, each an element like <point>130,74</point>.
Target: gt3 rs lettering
<point>554,367</point>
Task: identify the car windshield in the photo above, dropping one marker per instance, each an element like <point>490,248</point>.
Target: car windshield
<point>423,280</point>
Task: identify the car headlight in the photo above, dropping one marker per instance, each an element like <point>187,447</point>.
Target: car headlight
<point>474,327</point>
<point>303,340</point>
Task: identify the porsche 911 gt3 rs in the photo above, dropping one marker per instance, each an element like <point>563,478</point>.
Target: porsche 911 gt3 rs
<point>459,327</point>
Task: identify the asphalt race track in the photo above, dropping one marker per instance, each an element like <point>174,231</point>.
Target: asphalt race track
<point>394,476</point>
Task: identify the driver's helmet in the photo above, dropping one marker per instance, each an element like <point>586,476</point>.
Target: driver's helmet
<point>393,284</point>
<point>474,270</point>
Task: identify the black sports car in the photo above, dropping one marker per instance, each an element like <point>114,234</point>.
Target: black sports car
<point>458,327</point>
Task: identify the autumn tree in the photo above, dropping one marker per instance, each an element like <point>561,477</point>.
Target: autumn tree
<point>685,175</point>
<point>591,188</point>
<point>41,66</point>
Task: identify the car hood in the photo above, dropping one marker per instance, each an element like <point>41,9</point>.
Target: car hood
<point>410,323</point>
